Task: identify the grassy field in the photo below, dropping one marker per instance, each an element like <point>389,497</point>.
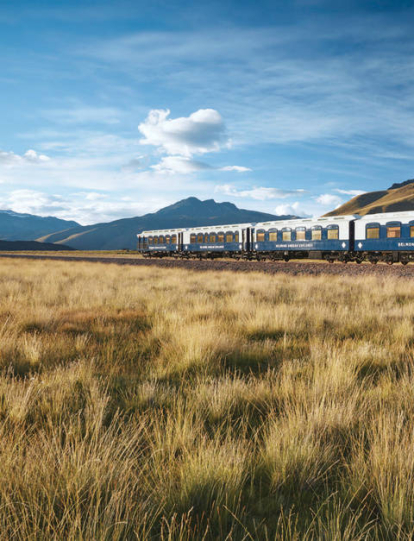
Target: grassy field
<point>142,403</point>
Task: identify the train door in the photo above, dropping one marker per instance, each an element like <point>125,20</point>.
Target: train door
<point>246,239</point>
<point>180,242</point>
<point>352,235</point>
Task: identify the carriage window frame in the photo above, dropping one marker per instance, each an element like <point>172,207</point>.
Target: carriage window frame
<point>286,235</point>
<point>229,236</point>
<point>200,238</point>
<point>260,235</point>
<point>369,229</point>
<point>206,238</point>
<point>236,236</point>
<point>212,238</point>
<point>302,233</point>
<point>411,230</point>
<point>173,239</point>
<point>316,232</point>
<point>393,231</point>
<point>161,239</point>
<point>193,238</point>
<point>273,235</point>
<point>150,239</point>
<point>220,236</point>
<point>155,240</point>
<point>332,232</point>
<point>167,239</point>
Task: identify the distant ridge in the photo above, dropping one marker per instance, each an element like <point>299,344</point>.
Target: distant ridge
<point>31,246</point>
<point>399,197</point>
<point>401,184</point>
<point>190,212</point>
<point>20,226</point>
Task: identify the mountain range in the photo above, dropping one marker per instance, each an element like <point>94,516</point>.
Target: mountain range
<point>119,234</point>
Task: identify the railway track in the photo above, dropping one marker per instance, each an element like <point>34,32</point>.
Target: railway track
<point>269,267</point>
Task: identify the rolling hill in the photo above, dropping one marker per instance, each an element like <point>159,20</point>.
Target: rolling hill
<point>17,226</point>
<point>398,197</point>
<point>122,233</point>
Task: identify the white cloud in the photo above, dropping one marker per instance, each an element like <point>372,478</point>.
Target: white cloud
<point>135,163</point>
<point>259,193</point>
<point>290,209</point>
<point>94,196</point>
<point>351,192</point>
<point>200,133</point>
<point>11,159</point>
<point>179,164</point>
<point>237,168</point>
<point>328,199</point>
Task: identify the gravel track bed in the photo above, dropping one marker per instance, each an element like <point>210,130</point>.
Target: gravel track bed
<point>269,267</point>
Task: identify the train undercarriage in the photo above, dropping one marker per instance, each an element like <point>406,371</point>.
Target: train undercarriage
<point>389,257</point>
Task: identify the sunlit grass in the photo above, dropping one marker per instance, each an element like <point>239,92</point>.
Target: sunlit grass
<point>146,403</point>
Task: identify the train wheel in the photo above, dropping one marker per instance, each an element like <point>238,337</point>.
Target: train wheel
<point>374,261</point>
<point>404,262</point>
<point>359,261</point>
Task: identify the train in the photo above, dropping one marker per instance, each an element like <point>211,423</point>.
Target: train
<point>386,237</point>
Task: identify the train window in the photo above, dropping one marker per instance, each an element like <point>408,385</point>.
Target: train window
<point>155,240</point>
<point>287,235</point>
<point>373,232</point>
<point>174,239</point>
<point>229,237</point>
<point>236,236</point>
<point>220,237</point>
<point>161,239</point>
<point>213,238</point>
<point>200,238</point>
<point>193,238</point>
<point>411,230</point>
<point>150,240</point>
<point>260,236</point>
<point>316,234</point>
<point>333,234</point>
<point>167,239</point>
<point>394,232</point>
<point>273,236</point>
<point>300,234</point>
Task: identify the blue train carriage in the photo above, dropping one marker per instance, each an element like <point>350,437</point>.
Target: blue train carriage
<point>314,238</point>
<point>388,237</point>
<point>161,242</point>
<point>231,240</point>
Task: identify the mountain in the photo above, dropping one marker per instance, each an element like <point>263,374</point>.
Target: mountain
<point>30,246</point>
<point>17,226</point>
<point>398,197</point>
<point>189,212</point>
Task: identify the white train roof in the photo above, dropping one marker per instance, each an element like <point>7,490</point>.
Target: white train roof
<point>305,222</point>
<point>203,228</point>
<point>385,217</point>
<point>163,231</point>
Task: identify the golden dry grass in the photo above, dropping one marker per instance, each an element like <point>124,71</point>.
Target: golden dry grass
<point>142,403</point>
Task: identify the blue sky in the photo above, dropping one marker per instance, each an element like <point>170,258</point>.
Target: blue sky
<point>114,109</point>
